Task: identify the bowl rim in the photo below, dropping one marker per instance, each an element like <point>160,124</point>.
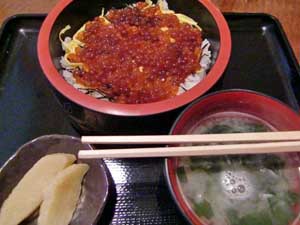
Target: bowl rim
<point>169,173</point>
<point>94,104</point>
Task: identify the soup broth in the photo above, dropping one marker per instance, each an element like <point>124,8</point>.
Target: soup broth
<point>239,189</point>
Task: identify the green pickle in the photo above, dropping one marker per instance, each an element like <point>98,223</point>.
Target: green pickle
<point>203,208</point>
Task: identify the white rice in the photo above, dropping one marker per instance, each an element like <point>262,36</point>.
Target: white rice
<point>205,63</point>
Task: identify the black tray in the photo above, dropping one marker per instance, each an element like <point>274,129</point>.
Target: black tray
<point>261,60</point>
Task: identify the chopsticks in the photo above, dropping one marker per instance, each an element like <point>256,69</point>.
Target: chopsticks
<point>274,147</point>
<point>195,138</point>
<point>242,143</point>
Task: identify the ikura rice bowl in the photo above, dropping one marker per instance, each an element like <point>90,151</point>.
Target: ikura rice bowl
<point>244,189</point>
<point>140,54</point>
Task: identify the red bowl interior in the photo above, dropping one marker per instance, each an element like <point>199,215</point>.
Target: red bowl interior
<point>265,108</point>
<point>51,71</point>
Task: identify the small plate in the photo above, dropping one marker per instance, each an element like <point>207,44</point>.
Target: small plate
<point>95,186</point>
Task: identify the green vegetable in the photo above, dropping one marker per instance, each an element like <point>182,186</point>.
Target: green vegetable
<point>270,161</point>
<point>253,218</point>
<point>207,164</point>
<point>281,211</point>
<point>224,128</point>
<point>181,174</point>
<point>257,127</point>
<point>256,218</point>
<point>221,129</point>
<point>291,197</point>
<point>204,209</point>
<point>232,216</point>
<point>252,161</point>
<point>273,162</point>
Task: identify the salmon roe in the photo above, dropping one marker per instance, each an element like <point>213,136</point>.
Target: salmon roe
<point>140,56</point>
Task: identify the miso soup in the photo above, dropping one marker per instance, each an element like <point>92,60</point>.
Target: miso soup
<point>244,189</point>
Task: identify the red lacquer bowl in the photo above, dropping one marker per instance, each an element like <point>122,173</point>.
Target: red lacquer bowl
<point>76,13</point>
<point>268,110</point>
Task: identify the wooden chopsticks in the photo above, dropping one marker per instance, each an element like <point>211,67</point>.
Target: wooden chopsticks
<point>195,138</point>
<point>273,147</point>
<point>238,143</point>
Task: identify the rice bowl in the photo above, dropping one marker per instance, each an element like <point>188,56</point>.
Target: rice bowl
<point>91,115</point>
